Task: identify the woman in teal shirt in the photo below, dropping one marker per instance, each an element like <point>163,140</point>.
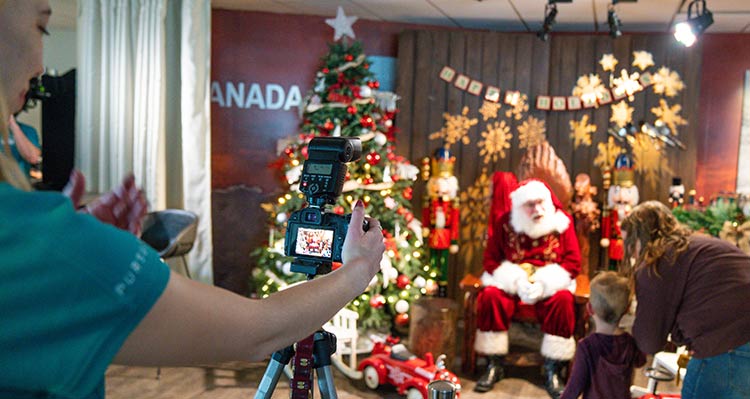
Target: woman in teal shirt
<point>77,294</point>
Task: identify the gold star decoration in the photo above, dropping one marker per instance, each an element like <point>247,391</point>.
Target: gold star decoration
<point>627,85</point>
<point>496,141</point>
<point>667,82</point>
<point>516,110</point>
<point>456,128</point>
<point>608,152</point>
<point>649,159</point>
<point>642,59</point>
<point>489,110</point>
<point>608,62</point>
<point>475,211</point>
<point>590,88</point>
<point>531,132</point>
<point>670,116</point>
<point>581,131</point>
<point>622,114</point>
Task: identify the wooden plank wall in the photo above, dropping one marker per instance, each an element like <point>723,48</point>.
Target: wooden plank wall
<point>523,62</point>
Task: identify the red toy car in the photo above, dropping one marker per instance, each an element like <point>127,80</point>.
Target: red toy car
<point>391,363</point>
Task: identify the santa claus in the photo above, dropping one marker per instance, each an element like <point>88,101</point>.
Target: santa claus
<point>533,257</point>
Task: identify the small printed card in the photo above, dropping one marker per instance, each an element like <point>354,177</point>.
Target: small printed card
<point>646,79</point>
<point>544,103</point>
<point>492,94</point>
<point>462,82</point>
<point>475,87</point>
<point>605,97</point>
<point>559,103</point>
<point>447,74</point>
<point>574,103</point>
<point>512,97</point>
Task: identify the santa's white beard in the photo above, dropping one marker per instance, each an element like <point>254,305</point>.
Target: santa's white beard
<point>533,228</point>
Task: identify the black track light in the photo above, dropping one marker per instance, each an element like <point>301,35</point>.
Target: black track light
<point>550,12</point>
<point>615,26</point>
<point>687,32</point>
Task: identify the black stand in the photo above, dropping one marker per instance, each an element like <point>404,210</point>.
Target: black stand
<point>324,345</point>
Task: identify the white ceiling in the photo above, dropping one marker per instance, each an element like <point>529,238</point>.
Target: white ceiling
<point>513,15</point>
<point>502,15</point>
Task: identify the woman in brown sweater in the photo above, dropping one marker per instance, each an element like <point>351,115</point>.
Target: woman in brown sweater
<point>696,288</point>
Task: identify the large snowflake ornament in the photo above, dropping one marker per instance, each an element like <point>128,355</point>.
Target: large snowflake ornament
<point>590,88</point>
<point>608,62</point>
<point>649,159</point>
<point>488,110</point>
<point>667,82</point>
<point>670,116</point>
<point>622,114</point>
<point>456,128</point>
<point>626,85</point>
<point>581,131</point>
<point>607,153</point>
<point>496,139</point>
<point>642,59</point>
<point>531,132</point>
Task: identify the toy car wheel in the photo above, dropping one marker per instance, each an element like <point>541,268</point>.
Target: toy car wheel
<point>413,393</point>
<point>372,380</point>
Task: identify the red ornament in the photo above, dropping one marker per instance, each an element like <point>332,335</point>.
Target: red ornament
<point>402,281</point>
<point>377,301</point>
<point>366,121</point>
<point>303,151</point>
<point>402,319</point>
<point>408,192</point>
<point>338,209</point>
<point>351,109</point>
<point>373,84</point>
<point>326,70</point>
<point>366,65</point>
<point>373,158</point>
<point>328,125</point>
<point>348,57</point>
<point>367,180</point>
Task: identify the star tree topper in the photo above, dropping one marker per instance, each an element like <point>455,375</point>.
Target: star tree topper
<point>342,24</point>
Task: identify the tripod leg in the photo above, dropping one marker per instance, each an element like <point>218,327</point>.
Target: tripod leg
<point>325,382</point>
<point>273,372</point>
<point>325,346</point>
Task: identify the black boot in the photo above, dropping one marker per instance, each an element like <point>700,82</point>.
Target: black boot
<point>555,373</point>
<point>493,374</point>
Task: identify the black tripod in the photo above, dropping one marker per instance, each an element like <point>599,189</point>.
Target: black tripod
<point>313,352</point>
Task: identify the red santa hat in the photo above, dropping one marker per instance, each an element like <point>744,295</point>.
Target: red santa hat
<point>534,189</point>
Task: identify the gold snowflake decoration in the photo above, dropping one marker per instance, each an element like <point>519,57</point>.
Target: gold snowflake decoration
<point>489,110</point>
<point>649,159</point>
<point>516,110</point>
<point>475,211</point>
<point>608,62</point>
<point>581,131</point>
<point>622,114</point>
<point>496,141</point>
<point>456,128</point>
<point>669,115</point>
<point>608,152</point>
<point>531,132</point>
<point>667,82</point>
<point>627,84</point>
<point>590,88</point>
<point>642,59</point>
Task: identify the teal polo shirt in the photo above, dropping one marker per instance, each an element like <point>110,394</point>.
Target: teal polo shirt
<point>71,291</point>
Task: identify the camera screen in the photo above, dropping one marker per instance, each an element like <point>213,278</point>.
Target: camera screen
<point>314,242</point>
<point>319,168</point>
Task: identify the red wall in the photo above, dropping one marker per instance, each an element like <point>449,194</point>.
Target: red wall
<point>726,57</point>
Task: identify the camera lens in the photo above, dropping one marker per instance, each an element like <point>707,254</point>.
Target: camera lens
<point>311,217</point>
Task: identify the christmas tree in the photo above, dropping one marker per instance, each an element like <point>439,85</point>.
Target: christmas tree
<point>345,102</point>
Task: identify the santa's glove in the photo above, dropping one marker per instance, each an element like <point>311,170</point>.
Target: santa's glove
<point>530,293</point>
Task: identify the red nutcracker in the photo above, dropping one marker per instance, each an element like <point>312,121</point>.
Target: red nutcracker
<point>440,214</point>
<point>621,198</point>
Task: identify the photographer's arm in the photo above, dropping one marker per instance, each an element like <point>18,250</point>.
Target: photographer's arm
<point>196,323</point>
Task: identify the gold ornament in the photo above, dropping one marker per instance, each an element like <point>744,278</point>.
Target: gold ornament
<point>489,110</point>
<point>642,59</point>
<point>608,152</point>
<point>649,160</point>
<point>608,62</point>
<point>669,115</point>
<point>531,132</point>
<point>581,131</point>
<point>496,140</point>
<point>517,108</point>
<point>627,85</point>
<point>456,128</point>
<point>475,211</point>
<point>590,88</point>
<point>667,82</point>
<point>622,114</point>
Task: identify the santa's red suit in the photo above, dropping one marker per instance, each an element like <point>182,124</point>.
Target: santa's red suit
<point>534,262</point>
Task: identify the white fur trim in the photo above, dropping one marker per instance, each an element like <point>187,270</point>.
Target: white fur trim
<point>533,190</point>
<point>505,277</point>
<point>491,342</point>
<point>553,277</point>
<point>558,348</point>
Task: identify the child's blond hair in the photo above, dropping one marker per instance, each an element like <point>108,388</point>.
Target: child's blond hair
<point>610,296</point>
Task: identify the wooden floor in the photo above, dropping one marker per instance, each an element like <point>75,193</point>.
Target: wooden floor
<point>240,380</point>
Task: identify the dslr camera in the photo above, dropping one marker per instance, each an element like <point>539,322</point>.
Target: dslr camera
<point>315,236</point>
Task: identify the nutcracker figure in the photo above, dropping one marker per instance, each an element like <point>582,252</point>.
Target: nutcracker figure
<point>622,196</point>
<point>440,214</point>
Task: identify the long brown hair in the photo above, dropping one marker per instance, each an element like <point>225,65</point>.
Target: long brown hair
<point>659,233</point>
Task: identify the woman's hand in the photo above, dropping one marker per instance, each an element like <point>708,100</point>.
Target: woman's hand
<point>363,249</point>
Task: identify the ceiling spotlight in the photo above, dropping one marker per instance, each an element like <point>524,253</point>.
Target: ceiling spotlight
<point>687,32</point>
<point>550,12</point>
<point>614,22</point>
